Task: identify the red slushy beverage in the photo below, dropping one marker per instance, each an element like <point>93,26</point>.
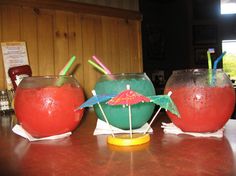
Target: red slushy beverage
<point>48,110</point>
<point>202,109</point>
<point>204,104</point>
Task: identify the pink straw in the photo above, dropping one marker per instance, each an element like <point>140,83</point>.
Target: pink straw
<point>101,64</point>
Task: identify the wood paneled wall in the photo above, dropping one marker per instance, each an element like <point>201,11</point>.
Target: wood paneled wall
<point>53,36</point>
<point>121,4</point>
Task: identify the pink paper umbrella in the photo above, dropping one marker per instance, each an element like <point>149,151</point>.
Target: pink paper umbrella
<point>127,98</point>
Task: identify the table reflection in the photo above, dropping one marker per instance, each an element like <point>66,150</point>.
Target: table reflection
<point>85,154</point>
<point>198,154</point>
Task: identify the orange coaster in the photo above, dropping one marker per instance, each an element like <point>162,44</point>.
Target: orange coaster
<point>125,140</point>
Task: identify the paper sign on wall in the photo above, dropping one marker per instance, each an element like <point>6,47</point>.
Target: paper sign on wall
<point>14,54</point>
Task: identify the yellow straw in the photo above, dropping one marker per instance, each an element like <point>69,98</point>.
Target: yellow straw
<point>209,60</point>
<point>209,67</point>
<point>97,67</point>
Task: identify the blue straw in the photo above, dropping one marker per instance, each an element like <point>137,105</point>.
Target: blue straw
<point>218,60</point>
<point>215,67</point>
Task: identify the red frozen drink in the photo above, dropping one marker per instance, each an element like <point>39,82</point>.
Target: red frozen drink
<point>205,105</point>
<point>48,110</point>
<point>202,109</point>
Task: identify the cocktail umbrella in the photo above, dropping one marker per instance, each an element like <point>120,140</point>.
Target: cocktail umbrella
<point>97,99</point>
<point>127,98</point>
<point>164,101</point>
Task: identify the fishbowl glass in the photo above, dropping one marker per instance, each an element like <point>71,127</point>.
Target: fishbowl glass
<point>118,115</point>
<point>205,99</point>
<point>45,105</point>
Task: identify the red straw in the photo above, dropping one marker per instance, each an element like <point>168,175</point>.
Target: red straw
<point>101,64</point>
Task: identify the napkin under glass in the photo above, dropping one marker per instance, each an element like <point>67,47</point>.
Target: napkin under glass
<point>19,130</point>
<point>103,128</point>
<point>170,128</point>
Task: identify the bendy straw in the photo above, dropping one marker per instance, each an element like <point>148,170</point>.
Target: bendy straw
<point>67,66</point>
<point>209,51</point>
<point>101,64</point>
<point>97,67</point>
<point>218,60</point>
<point>209,60</point>
<point>65,69</point>
<point>215,67</point>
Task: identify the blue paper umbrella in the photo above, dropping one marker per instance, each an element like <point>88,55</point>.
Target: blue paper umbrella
<point>95,100</point>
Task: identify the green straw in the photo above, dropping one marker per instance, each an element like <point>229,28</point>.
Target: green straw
<point>97,67</point>
<point>67,66</point>
<point>65,69</point>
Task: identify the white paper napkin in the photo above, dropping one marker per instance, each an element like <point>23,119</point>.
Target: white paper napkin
<point>103,128</point>
<point>23,133</point>
<point>170,128</point>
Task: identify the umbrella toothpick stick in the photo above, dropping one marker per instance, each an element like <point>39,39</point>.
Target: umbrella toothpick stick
<point>154,117</point>
<point>104,115</point>
<point>112,133</point>
<point>130,118</point>
<point>130,123</point>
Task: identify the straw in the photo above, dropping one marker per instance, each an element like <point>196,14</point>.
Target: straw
<point>97,67</point>
<point>101,64</point>
<point>209,60</point>
<point>218,60</point>
<point>65,69</point>
<point>67,66</point>
<point>215,65</point>
<point>209,51</point>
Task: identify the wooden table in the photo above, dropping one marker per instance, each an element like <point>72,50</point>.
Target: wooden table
<point>85,154</point>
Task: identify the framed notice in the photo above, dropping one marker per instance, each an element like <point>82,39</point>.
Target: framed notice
<point>14,54</point>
